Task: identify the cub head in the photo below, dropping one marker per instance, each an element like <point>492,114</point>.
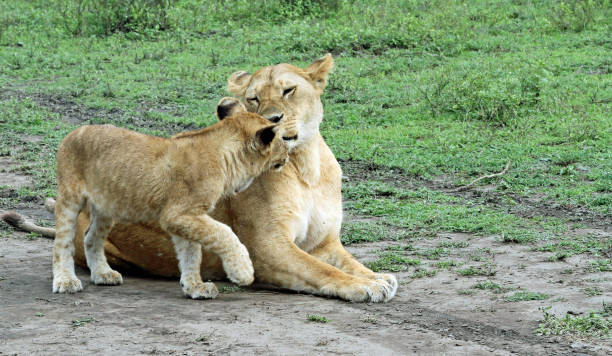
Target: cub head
<point>265,146</point>
<point>287,95</point>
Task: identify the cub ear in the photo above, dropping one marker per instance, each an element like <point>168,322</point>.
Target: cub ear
<point>319,70</point>
<point>266,135</point>
<point>237,82</point>
<point>228,107</point>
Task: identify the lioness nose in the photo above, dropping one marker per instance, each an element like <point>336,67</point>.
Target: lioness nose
<point>290,138</point>
<point>275,117</point>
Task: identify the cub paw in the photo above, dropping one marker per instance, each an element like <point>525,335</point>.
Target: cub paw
<point>239,268</point>
<point>110,278</point>
<point>66,284</point>
<point>201,290</point>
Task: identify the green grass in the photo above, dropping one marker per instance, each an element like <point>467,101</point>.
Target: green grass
<point>522,296</point>
<point>228,289</point>
<point>436,98</point>
<point>593,324</point>
<point>486,269</point>
<point>487,285</point>
<point>604,265</point>
<point>317,318</point>
<point>82,321</point>
<point>391,261</point>
<point>454,244</point>
<point>593,291</point>
<point>447,264</point>
<point>360,231</point>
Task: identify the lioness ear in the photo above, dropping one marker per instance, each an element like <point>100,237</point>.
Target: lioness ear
<point>228,107</point>
<point>266,135</point>
<point>237,82</point>
<point>319,70</point>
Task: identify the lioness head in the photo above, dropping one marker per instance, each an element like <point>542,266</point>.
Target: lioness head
<point>287,95</point>
<point>263,137</point>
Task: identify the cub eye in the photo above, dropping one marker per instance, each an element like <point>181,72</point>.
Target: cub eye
<point>253,100</point>
<point>288,91</point>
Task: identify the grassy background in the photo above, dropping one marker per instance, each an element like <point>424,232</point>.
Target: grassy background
<point>429,94</point>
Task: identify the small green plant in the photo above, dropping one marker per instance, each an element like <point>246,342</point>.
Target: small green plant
<point>574,15</point>
<point>487,269</point>
<point>110,16</point>
<point>317,318</point>
<point>487,285</point>
<point>447,264</point>
<point>601,266</point>
<point>391,261</point>
<point>433,253</point>
<point>593,291</point>
<point>227,289</point>
<point>594,324</point>
<point>81,322</point>
<point>421,273</point>
<point>454,244</point>
<point>522,296</point>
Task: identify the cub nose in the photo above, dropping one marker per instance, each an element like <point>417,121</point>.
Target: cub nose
<point>275,117</point>
<point>290,138</point>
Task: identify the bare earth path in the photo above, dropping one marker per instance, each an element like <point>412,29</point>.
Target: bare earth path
<point>150,316</point>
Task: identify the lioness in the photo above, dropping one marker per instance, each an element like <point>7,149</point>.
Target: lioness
<point>130,177</point>
<point>289,220</point>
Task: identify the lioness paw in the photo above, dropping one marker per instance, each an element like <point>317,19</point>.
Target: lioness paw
<point>109,278</point>
<point>391,281</point>
<point>364,291</point>
<point>66,284</point>
<point>201,290</point>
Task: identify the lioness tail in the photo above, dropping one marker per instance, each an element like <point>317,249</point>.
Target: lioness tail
<point>18,221</point>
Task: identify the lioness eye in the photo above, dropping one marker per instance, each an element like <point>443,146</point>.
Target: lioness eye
<point>253,99</point>
<point>288,91</point>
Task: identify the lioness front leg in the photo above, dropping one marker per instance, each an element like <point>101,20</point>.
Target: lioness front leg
<point>287,266</point>
<point>331,251</point>
<point>215,237</point>
<point>189,255</point>
<point>99,227</point>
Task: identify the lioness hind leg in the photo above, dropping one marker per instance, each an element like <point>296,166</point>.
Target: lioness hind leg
<point>101,272</point>
<point>66,211</point>
<point>189,255</point>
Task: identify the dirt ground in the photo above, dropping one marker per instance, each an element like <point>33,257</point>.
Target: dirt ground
<point>428,315</point>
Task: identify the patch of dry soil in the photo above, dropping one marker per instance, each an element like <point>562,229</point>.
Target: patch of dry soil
<point>150,316</point>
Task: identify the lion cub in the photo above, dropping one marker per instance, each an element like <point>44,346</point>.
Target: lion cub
<point>130,177</point>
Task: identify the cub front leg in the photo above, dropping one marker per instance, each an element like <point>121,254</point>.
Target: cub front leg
<point>215,237</point>
<point>331,251</point>
<point>189,255</point>
<point>66,212</point>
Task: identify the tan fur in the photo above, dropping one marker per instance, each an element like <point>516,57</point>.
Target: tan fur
<point>128,177</point>
<point>289,220</point>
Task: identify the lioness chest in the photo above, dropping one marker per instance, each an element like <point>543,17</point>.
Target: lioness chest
<point>320,213</point>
